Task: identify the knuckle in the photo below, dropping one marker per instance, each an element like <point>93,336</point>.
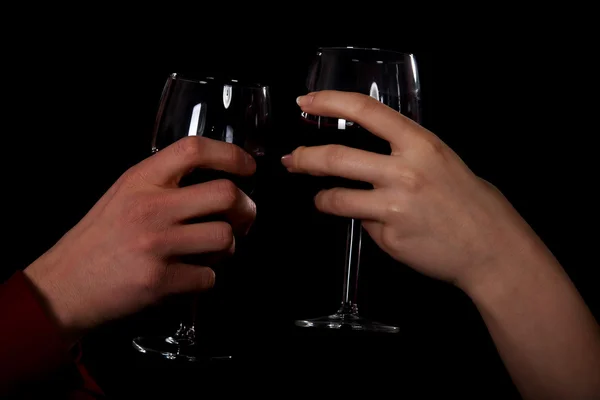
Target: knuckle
<point>364,104</point>
<point>148,243</point>
<point>324,99</point>
<point>222,234</point>
<point>335,199</point>
<point>433,146</point>
<point>227,192</point>
<point>334,155</point>
<point>488,184</point>
<point>490,187</point>
<point>189,147</point>
<point>298,157</point>
<point>412,179</point>
<point>132,177</point>
<point>234,155</point>
<point>394,210</point>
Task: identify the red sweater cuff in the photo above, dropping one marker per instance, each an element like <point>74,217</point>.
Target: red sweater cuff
<point>31,346</point>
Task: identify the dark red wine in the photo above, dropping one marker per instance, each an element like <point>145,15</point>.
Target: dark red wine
<point>319,131</point>
<point>226,112</point>
<point>316,131</point>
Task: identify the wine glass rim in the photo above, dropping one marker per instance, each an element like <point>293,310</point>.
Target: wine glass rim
<point>223,81</point>
<point>374,49</point>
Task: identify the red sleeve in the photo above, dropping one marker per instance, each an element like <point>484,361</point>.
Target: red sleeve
<point>33,355</point>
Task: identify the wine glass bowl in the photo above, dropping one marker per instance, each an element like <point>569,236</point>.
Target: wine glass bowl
<point>390,77</point>
<point>216,108</point>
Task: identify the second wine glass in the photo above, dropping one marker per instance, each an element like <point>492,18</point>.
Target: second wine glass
<point>391,78</point>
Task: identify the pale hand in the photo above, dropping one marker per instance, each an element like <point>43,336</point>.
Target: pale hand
<point>427,209</point>
<point>431,212</point>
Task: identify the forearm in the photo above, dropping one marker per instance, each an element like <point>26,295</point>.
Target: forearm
<point>544,332</point>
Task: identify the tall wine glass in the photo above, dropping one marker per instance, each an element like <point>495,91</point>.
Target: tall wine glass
<point>390,77</point>
<point>219,109</point>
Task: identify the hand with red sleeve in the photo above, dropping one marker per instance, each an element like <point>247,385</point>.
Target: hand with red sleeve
<point>123,255</point>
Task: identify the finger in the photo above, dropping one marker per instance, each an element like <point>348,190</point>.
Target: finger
<point>353,203</point>
<point>207,237</point>
<point>337,160</point>
<point>170,164</point>
<point>186,278</point>
<point>218,197</point>
<point>368,112</point>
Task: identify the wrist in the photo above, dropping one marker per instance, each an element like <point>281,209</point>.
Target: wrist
<point>54,299</point>
<point>506,275</point>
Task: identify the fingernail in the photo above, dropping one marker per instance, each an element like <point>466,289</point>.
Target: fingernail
<point>287,160</point>
<point>248,159</point>
<point>305,100</point>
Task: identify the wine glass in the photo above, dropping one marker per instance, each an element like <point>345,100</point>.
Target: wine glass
<point>392,78</point>
<point>219,109</point>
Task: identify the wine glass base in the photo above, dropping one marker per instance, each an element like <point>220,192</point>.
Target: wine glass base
<point>347,322</point>
<point>174,349</point>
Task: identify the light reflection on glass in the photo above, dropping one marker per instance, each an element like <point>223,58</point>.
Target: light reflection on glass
<point>227,93</point>
<point>415,75</point>
<point>374,91</point>
<point>197,121</point>
<point>228,134</point>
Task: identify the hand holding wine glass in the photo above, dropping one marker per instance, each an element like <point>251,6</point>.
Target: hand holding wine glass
<point>391,78</point>
<point>428,210</point>
<point>224,110</point>
<point>122,256</point>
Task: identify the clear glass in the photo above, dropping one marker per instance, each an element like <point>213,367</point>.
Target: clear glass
<point>220,109</point>
<point>392,78</point>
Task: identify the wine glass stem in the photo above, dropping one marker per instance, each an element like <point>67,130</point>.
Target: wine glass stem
<point>187,326</point>
<point>350,287</point>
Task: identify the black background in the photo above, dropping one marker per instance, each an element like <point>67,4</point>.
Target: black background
<point>81,116</point>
